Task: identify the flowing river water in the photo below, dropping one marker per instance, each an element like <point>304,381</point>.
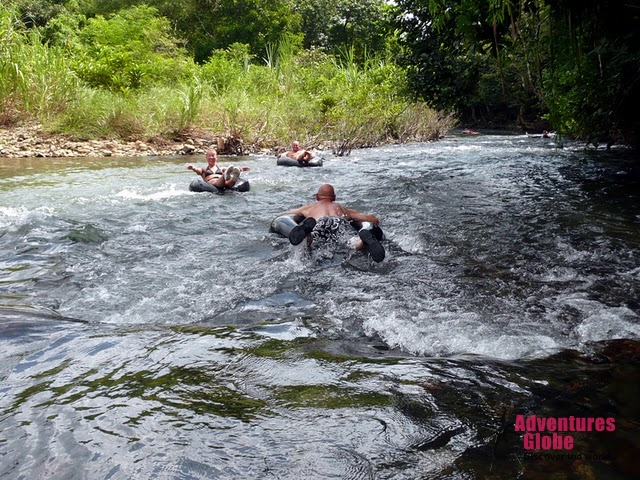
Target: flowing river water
<point>150,332</point>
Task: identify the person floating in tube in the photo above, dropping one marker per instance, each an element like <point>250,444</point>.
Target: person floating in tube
<point>216,176</point>
<point>302,156</point>
<point>326,220</point>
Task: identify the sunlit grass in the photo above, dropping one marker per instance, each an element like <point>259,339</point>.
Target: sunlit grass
<point>260,103</point>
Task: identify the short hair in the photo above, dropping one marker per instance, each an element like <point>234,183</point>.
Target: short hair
<point>326,191</point>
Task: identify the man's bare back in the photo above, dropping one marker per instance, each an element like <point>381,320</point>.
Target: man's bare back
<point>325,209</point>
<point>325,206</point>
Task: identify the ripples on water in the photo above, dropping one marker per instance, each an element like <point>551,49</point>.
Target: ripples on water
<point>202,346</point>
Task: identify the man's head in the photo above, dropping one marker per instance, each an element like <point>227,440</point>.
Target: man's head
<point>326,192</point>
<point>295,146</point>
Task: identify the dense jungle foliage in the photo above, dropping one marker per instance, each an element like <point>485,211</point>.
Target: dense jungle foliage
<point>342,71</point>
<point>574,64</point>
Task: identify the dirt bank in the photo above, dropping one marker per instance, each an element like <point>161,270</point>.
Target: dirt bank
<point>31,140</point>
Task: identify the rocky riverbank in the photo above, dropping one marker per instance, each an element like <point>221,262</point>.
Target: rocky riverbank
<point>31,140</point>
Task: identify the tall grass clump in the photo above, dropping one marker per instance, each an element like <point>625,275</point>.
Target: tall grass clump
<point>311,96</point>
<point>190,105</point>
<point>97,113</point>
<point>35,80</point>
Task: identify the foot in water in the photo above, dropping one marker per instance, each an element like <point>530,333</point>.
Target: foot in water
<point>372,245</point>
<point>300,232</point>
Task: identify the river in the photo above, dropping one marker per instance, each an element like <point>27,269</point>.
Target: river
<point>150,332</point>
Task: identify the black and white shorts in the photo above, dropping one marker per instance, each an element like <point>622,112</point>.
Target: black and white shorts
<point>331,230</point>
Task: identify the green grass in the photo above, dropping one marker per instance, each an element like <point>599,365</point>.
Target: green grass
<point>309,96</point>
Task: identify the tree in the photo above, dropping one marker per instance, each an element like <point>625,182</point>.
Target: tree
<point>341,25</point>
<point>129,49</point>
<point>35,13</point>
<point>593,79</point>
<point>443,71</point>
<point>209,25</point>
<point>576,63</point>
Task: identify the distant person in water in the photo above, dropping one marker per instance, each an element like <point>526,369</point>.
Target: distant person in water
<point>298,154</point>
<point>216,176</point>
<point>545,134</point>
<point>326,220</point>
<point>468,131</point>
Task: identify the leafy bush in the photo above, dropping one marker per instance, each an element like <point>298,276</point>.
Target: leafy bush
<point>128,50</point>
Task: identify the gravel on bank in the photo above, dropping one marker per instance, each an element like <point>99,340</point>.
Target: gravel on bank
<point>27,141</point>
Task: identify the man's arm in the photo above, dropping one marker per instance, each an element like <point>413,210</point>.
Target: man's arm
<point>296,211</point>
<point>362,217</point>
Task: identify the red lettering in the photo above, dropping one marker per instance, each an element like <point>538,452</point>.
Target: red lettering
<point>541,423</point>
<point>571,427</point>
<point>551,424</point>
<point>528,441</point>
<point>563,424</point>
<point>519,423</point>
<point>611,424</point>
<point>590,421</point>
<point>536,441</point>
<point>568,442</point>
<point>600,424</point>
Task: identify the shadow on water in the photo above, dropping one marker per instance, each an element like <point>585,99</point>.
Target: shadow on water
<point>209,348</point>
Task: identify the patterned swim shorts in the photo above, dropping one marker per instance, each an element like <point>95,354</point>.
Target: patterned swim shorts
<point>331,229</point>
